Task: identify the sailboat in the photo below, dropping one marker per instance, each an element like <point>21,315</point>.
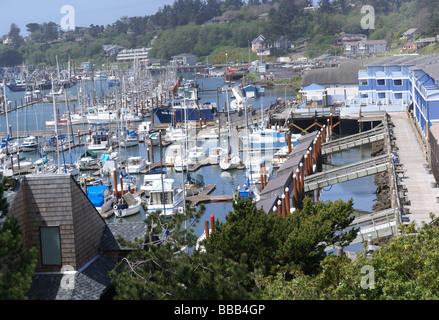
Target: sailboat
<point>231,160</point>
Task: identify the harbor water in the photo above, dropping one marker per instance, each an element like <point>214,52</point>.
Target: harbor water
<point>34,117</point>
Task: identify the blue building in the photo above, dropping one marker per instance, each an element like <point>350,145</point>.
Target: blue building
<point>405,81</point>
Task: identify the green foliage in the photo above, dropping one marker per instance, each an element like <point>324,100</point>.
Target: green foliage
<point>272,243</point>
<point>164,270</point>
<point>17,266</point>
<point>404,269</point>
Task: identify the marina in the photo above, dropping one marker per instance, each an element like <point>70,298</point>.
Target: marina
<point>306,167</point>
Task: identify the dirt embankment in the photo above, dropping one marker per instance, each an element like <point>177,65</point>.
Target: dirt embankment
<point>382,181</point>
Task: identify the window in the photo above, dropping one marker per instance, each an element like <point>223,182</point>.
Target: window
<point>50,246</point>
<point>398,96</point>
<point>381,82</point>
<point>364,82</point>
<point>381,95</point>
<point>397,82</point>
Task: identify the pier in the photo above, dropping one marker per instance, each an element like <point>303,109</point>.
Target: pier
<point>419,185</point>
<point>204,196</point>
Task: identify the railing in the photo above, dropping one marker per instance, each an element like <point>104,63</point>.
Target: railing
<point>358,139</point>
<point>346,173</point>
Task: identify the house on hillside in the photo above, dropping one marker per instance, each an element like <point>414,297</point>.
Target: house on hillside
<point>184,59</point>
<point>259,46</point>
<point>365,48</point>
<point>410,34</point>
<point>76,247</point>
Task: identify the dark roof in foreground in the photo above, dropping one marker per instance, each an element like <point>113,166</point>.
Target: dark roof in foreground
<point>89,283</point>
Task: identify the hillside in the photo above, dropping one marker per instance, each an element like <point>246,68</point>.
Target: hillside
<point>210,28</point>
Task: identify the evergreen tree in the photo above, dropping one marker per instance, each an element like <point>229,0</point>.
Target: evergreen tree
<point>16,265</point>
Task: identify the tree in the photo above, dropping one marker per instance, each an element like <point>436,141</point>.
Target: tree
<point>403,269</point>
<point>16,265</point>
<point>271,242</point>
<point>14,36</point>
<point>162,269</point>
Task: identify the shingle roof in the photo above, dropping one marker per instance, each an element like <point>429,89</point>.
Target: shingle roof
<point>88,284</point>
<point>129,231</point>
<point>345,73</point>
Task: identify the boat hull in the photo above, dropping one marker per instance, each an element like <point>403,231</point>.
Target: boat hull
<point>167,114</point>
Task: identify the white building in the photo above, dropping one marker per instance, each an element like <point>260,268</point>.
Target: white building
<point>133,54</point>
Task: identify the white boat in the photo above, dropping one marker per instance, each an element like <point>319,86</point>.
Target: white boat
<point>102,114</point>
<point>143,130</point>
<point>216,154</point>
<point>136,164</point>
<point>101,196</point>
<point>181,163</point>
<point>253,170</point>
<point>131,205</point>
<point>69,168</point>
<point>267,137</point>
<point>60,96</point>
<point>197,154</point>
<point>75,119</point>
<point>8,147</point>
<point>230,162</point>
<point>165,197</point>
<point>130,140</point>
<point>152,175</point>
<point>20,163</point>
<point>100,138</point>
<point>29,143</point>
<point>172,152</point>
<point>279,157</point>
<point>175,134</point>
<point>129,185</point>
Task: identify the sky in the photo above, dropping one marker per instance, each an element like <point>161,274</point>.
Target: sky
<point>86,12</point>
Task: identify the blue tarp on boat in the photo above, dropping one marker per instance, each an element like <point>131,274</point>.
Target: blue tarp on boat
<point>96,195</point>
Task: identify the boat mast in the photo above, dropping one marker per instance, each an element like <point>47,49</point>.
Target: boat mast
<point>56,123</point>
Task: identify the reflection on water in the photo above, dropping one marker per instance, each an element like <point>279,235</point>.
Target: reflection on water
<point>361,190</point>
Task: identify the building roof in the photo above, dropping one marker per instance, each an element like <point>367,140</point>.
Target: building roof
<point>181,55</point>
<point>89,283</point>
<point>129,231</point>
<point>345,73</point>
<point>313,86</point>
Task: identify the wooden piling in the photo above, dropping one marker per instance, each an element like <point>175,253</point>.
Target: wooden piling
<point>287,199</point>
<point>284,206</point>
<point>212,222</point>
<point>206,228</point>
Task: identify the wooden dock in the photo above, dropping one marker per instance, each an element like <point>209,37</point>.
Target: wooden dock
<point>204,196</point>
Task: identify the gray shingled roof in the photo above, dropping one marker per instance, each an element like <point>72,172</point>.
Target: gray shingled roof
<point>345,73</point>
<point>89,284</point>
<point>128,230</point>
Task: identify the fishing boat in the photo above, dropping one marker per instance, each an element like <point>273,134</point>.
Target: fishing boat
<point>17,85</point>
<point>165,197</point>
<point>130,205</point>
<point>30,143</point>
<point>100,138</point>
<point>155,174</point>
<point>185,109</point>
<point>101,196</point>
<point>136,164</point>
